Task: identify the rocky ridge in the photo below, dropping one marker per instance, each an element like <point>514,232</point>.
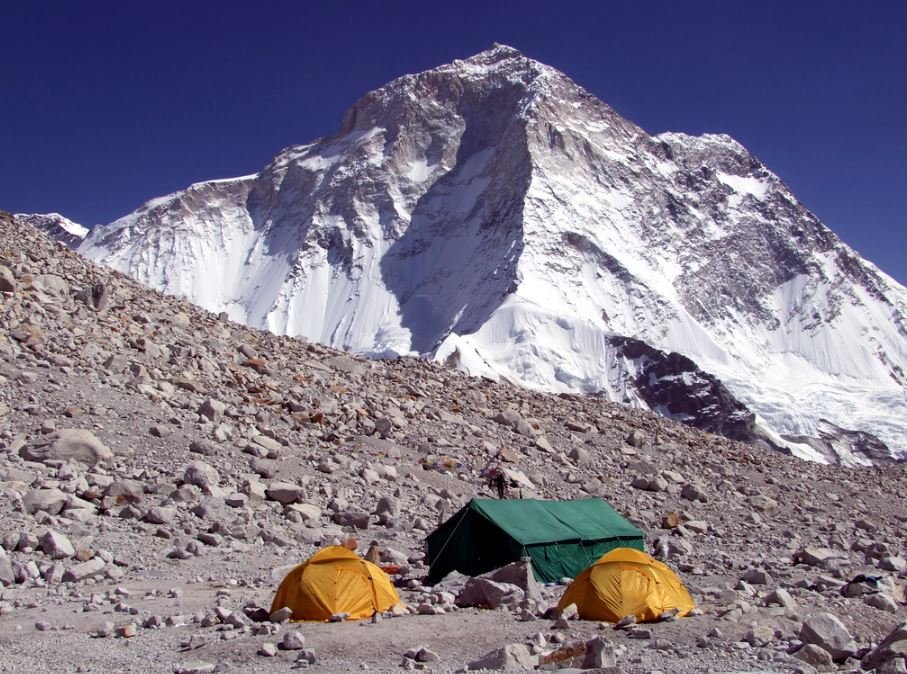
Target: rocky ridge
<point>161,467</point>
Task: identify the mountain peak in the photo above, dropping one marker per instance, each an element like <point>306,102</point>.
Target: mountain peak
<point>491,213</point>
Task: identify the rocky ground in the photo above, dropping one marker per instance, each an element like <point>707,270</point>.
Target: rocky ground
<point>162,468</point>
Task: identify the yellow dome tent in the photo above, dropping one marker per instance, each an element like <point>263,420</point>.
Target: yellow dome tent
<point>335,580</point>
<point>627,582</point>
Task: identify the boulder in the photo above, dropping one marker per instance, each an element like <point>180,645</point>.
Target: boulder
<point>51,501</point>
<point>597,653</point>
<point>828,632</point>
<point>511,657</point>
<point>212,409</point>
<point>780,597</point>
<point>125,491</point>
<point>68,444</point>
<point>7,280</point>
<point>519,574</point>
<point>201,475</point>
<point>80,572</point>
<point>482,591</point>
<point>292,641</point>
<point>56,546</point>
<point>816,656</point>
<point>817,556</point>
<point>284,492</point>
<point>160,514</point>
<point>892,647</point>
<point>352,518</point>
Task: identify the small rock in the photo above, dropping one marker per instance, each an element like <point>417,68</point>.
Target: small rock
<point>267,650</point>
<point>292,641</point>
<point>281,615</point>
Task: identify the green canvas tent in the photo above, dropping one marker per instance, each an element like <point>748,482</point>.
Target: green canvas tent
<point>560,537</point>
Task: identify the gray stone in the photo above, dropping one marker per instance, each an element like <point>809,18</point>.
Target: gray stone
<point>817,556</point>
<point>482,591</point>
<point>892,563</point>
<point>201,475</point>
<point>780,597</point>
<point>267,650</point>
<point>195,667</point>
<point>203,447</point>
<point>389,505</point>
<point>881,601</point>
<point>284,492</point>
<point>352,518</point>
<point>281,615</point>
<point>292,641</point>
<point>51,501</point>
<point>892,647</point>
<point>212,410</point>
<point>96,296</point>
<point>272,446</point>
<point>68,444</point>
<point>307,656</point>
<point>7,280</point>
<point>521,575</point>
<point>827,631</point>
<point>757,577</point>
<point>7,575</point>
<point>160,514</point>
<point>636,439</point>
<point>125,491</point>
<point>816,656</point>
<point>85,570</point>
<point>426,655</point>
<point>56,546</point>
<point>510,657</point>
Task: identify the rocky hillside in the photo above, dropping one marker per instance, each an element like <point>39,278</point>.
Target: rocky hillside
<point>161,467</point>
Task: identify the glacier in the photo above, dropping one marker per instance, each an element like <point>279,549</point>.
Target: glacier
<point>492,214</point>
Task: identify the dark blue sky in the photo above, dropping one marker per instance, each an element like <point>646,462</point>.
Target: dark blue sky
<point>107,104</point>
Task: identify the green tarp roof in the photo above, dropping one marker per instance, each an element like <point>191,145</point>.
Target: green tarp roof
<point>560,537</point>
<point>530,521</point>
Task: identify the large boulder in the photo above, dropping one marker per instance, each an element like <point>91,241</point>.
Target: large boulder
<point>513,657</point>
<point>285,492</point>
<point>51,501</point>
<point>818,556</point>
<point>521,575</point>
<point>202,475</point>
<point>891,648</point>
<point>828,632</point>
<point>68,444</point>
<point>482,591</point>
<point>56,546</point>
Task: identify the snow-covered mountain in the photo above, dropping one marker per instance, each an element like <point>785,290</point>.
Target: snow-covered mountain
<point>56,227</point>
<point>492,214</point>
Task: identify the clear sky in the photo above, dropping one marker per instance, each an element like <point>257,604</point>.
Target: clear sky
<point>106,104</point>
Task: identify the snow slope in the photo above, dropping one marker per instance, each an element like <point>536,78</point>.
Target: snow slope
<point>493,214</point>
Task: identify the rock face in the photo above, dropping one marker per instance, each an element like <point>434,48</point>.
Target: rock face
<point>493,215</point>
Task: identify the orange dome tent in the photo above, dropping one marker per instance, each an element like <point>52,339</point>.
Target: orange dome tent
<point>627,582</point>
<point>332,581</point>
